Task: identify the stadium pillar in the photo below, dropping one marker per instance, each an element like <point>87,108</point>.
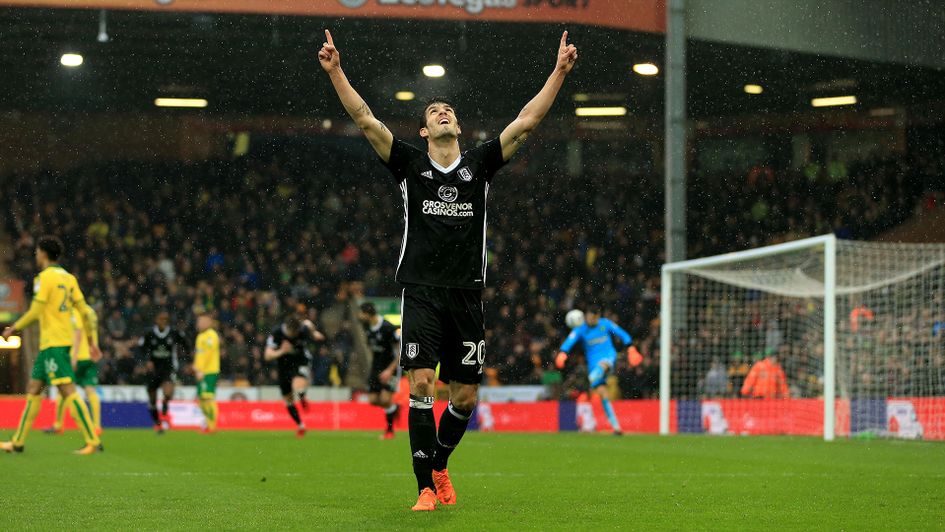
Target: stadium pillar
<point>674,167</point>
<point>674,175</point>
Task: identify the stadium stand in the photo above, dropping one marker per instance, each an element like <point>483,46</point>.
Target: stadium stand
<point>313,220</point>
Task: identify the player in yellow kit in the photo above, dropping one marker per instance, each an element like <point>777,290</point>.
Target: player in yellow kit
<point>207,369</point>
<point>55,294</point>
<point>86,374</point>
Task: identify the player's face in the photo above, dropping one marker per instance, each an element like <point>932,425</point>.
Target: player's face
<point>41,258</point>
<point>364,317</point>
<point>203,323</point>
<point>591,319</point>
<point>441,122</point>
<point>162,320</point>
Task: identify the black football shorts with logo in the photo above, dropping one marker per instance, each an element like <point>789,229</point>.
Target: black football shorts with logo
<point>163,372</point>
<point>445,326</point>
<point>288,374</point>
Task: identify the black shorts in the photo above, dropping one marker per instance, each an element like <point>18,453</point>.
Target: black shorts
<point>374,383</point>
<point>445,326</point>
<point>287,375</point>
<point>160,375</point>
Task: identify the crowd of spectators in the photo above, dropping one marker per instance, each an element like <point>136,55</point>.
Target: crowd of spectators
<point>305,223</point>
<point>888,346</point>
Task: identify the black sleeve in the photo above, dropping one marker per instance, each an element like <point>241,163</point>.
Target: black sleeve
<point>401,155</point>
<point>490,153</point>
<point>144,345</point>
<point>391,333</point>
<point>181,341</point>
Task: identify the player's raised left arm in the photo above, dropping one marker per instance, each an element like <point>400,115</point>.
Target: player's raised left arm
<point>514,135</point>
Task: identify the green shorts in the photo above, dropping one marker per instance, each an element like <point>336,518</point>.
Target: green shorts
<point>54,366</point>
<point>207,387</point>
<point>86,373</point>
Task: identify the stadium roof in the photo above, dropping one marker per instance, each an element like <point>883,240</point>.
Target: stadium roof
<point>253,64</point>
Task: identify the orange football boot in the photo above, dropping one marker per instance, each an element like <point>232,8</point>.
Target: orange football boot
<point>426,502</point>
<point>444,488</point>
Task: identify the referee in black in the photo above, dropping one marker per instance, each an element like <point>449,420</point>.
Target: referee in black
<point>442,264</point>
<point>161,345</point>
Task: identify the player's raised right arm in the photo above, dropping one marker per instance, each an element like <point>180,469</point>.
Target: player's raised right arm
<point>376,132</point>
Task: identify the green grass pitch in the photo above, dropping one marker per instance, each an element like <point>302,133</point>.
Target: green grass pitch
<point>353,481</point>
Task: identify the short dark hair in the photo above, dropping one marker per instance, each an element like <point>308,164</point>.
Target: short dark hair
<point>293,323</point>
<point>369,308</point>
<point>593,309</point>
<point>431,101</point>
<point>51,246</point>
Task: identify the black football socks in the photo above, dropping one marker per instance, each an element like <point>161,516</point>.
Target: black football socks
<point>389,413</point>
<point>294,412</point>
<point>453,423</point>
<point>422,426</point>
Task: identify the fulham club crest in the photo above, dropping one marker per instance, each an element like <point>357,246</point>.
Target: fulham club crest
<point>465,174</point>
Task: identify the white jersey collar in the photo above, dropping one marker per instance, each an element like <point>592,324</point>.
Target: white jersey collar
<point>445,169</point>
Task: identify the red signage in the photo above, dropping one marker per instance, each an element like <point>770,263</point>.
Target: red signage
<point>638,15</point>
<point>803,417</point>
<point>918,418</point>
<point>641,416</point>
<point>518,417</point>
<point>11,409</point>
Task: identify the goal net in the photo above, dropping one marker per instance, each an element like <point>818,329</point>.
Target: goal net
<point>814,337</point>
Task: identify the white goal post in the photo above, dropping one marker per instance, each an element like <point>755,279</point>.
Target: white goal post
<point>776,307</point>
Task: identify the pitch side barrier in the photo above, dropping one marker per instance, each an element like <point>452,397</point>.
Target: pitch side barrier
<point>902,417</point>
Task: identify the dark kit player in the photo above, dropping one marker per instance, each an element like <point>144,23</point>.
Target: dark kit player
<point>442,261</point>
<point>383,339</point>
<point>160,345</point>
<point>288,346</point>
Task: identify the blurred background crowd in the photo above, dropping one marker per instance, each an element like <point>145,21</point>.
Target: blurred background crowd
<point>309,223</point>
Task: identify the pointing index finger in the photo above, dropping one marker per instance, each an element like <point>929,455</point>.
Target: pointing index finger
<point>564,39</point>
<point>328,36</point>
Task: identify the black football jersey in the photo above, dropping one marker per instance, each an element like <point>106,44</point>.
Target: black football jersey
<point>161,347</point>
<point>300,354</point>
<point>444,242</point>
<point>382,342</point>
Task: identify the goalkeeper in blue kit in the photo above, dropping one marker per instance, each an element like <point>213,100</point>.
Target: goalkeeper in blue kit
<point>596,335</point>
